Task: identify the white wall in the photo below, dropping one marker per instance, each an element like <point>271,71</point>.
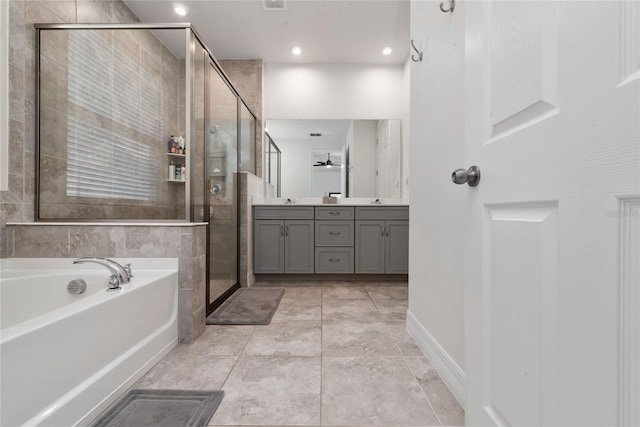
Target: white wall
<point>405,128</point>
<point>438,207</point>
<point>362,176</point>
<point>324,179</point>
<point>333,91</point>
<point>340,91</point>
<point>295,176</point>
<point>4,95</point>
<point>295,172</point>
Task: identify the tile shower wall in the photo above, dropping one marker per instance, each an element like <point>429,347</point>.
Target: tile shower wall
<point>188,243</point>
<point>250,185</point>
<point>17,204</point>
<point>246,77</point>
<point>138,114</point>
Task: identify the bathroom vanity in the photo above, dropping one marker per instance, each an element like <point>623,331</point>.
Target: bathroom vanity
<point>331,239</point>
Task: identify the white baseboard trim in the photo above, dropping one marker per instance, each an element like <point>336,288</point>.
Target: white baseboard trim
<point>450,372</point>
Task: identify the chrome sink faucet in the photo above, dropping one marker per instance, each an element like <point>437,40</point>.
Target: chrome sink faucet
<point>119,274</point>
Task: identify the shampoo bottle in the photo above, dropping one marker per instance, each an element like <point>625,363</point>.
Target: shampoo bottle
<point>172,171</point>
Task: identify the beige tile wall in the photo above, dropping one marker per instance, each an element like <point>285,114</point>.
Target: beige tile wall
<point>246,77</point>
<point>187,243</point>
<point>142,50</point>
<point>17,204</point>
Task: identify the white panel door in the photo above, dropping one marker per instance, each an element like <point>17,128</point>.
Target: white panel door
<point>552,120</point>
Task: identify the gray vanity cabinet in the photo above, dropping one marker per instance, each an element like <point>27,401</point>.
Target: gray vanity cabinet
<point>298,246</point>
<point>396,247</point>
<point>268,247</point>
<point>370,248</point>
<point>331,239</point>
<point>334,239</point>
<point>283,243</point>
<point>382,240</point>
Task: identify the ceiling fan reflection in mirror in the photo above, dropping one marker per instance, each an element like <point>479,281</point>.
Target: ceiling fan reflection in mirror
<point>328,163</point>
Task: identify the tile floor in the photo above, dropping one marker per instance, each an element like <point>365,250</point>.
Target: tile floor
<point>335,353</point>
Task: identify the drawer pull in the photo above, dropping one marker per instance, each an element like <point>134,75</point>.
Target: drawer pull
<point>334,233</point>
<point>334,213</point>
<point>334,259</point>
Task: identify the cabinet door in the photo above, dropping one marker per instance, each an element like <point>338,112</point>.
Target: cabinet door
<point>268,246</point>
<point>370,247</point>
<point>298,250</point>
<point>397,247</point>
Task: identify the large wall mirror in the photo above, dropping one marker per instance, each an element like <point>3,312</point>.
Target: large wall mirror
<point>345,158</point>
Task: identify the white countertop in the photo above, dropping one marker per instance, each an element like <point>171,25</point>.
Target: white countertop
<point>317,201</point>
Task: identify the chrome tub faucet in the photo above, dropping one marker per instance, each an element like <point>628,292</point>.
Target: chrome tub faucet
<point>119,274</point>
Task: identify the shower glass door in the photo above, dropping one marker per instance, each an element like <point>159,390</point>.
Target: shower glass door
<point>221,171</point>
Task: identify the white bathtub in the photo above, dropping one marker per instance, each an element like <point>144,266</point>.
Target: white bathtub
<point>64,358</point>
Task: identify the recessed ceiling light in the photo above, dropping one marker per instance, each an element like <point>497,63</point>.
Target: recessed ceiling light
<point>387,50</point>
<point>180,10</point>
<point>296,50</point>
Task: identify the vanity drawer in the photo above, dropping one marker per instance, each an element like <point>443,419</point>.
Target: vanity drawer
<point>335,212</point>
<point>334,260</point>
<point>382,212</point>
<point>334,233</point>
<point>283,212</point>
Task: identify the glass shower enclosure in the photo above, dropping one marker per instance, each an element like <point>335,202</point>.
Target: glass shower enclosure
<point>138,122</point>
